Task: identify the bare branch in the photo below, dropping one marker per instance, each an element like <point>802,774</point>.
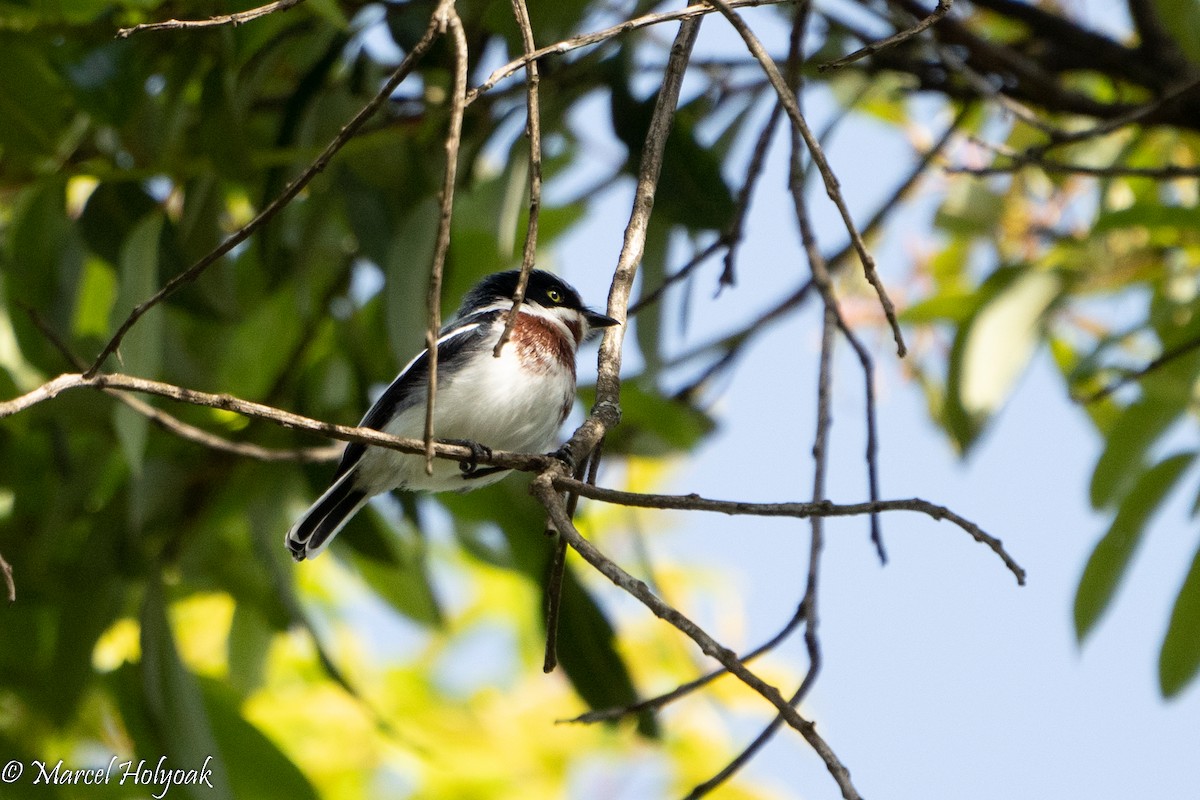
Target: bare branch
<point>527,462</point>
<point>449,17</point>
<point>943,8</point>
<point>583,40</point>
<point>531,462</point>
<point>734,344</point>
<point>8,580</point>
<point>678,275</point>
<point>831,321</point>
<point>650,704</point>
<point>1132,376</point>
<point>177,426</point>
<point>758,160</point>
<point>1021,161</point>
<point>825,508</point>
<point>832,187</point>
<point>348,130</point>
<point>543,488</point>
<point>236,18</point>
<point>533,129</point>
<point>606,413</point>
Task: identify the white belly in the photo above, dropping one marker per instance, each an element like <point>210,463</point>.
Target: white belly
<point>495,402</point>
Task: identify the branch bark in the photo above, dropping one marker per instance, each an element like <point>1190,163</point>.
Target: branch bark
<point>544,489</point>
<point>236,18</point>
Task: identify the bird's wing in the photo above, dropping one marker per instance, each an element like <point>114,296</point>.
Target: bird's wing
<point>409,387</point>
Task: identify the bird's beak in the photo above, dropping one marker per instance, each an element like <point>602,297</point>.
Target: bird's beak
<point>598,320</point>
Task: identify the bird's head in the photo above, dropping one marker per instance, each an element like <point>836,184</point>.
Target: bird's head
<point>546,296</point>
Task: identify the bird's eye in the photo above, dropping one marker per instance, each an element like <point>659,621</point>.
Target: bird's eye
<point>554,295</point>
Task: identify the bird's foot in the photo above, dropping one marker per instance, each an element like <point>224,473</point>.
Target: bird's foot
<point>564,455</point>
<point>470,468</point>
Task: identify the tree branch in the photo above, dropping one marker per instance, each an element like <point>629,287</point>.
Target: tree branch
<point>533,129</point>
<point>694,502</point>
<point>531,462</point>
<point>832,185</point>
<point>654,703</point>
<point>8,580</point>
<point>178,427</point>
<point>348,130</point>
<point>236,18</point>
<point>447,17</point>
<point>606,413</point>
<point>1134,375</point>
<point>943,8</point>
<point>543,487</point>
<point>586,39</point>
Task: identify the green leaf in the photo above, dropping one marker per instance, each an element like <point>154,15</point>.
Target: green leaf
<point>956,308</point>
<point>1154,216</point>
<point>1133,432</point>
<point>394,567</point>
<point>1109,561</point>
<point>407,275</point>
<point>649,321</point>
<point>653,425</point>
<point>971,208</point>
<point>992,350</point>
<point>94,302</point>
<point>1181,19</point>
<point>175,703</point>
<point>32,100</point>
<point>250,636</point>
<point>256,767</point>
<point>141,351</point>
<point>1179,659</point>
<point>587,653</point>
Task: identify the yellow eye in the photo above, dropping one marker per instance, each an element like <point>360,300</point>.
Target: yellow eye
<point>554,295</point>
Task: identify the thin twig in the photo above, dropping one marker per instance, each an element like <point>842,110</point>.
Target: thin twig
<point>606,413</point>
<point>236,18</point>
<point>8,580</point>
<point>653,703</point>
<point>694,502</point>
<point>543,488</point>
<point>178,427</point>
<point>533,129</point>
<point>808,604</point>
<point>595,37</point>
<point>824,284</point>
<point>348,130</point>
<point>943,8</point>
<point>558,564</point>
<point>1136,375</point>
<point>678,275</point>
<point>1061,137</point>
<point>1020,161</point>
<point>530,462</point>
<point>754,169</point>
<point>820,449</point>
<point>737,343</point>
<point>832,187</point>
<point>734,344</point>
<point>447,13</point>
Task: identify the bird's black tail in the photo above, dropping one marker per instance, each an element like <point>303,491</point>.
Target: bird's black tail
<point>324,518</point>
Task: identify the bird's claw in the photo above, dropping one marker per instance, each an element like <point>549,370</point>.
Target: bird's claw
<point>564,455</point>
<point>478,451</point>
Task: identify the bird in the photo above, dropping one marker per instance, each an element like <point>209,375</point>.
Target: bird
<point>515,401</point>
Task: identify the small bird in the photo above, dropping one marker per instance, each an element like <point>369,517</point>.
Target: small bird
<point>517,401</point>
